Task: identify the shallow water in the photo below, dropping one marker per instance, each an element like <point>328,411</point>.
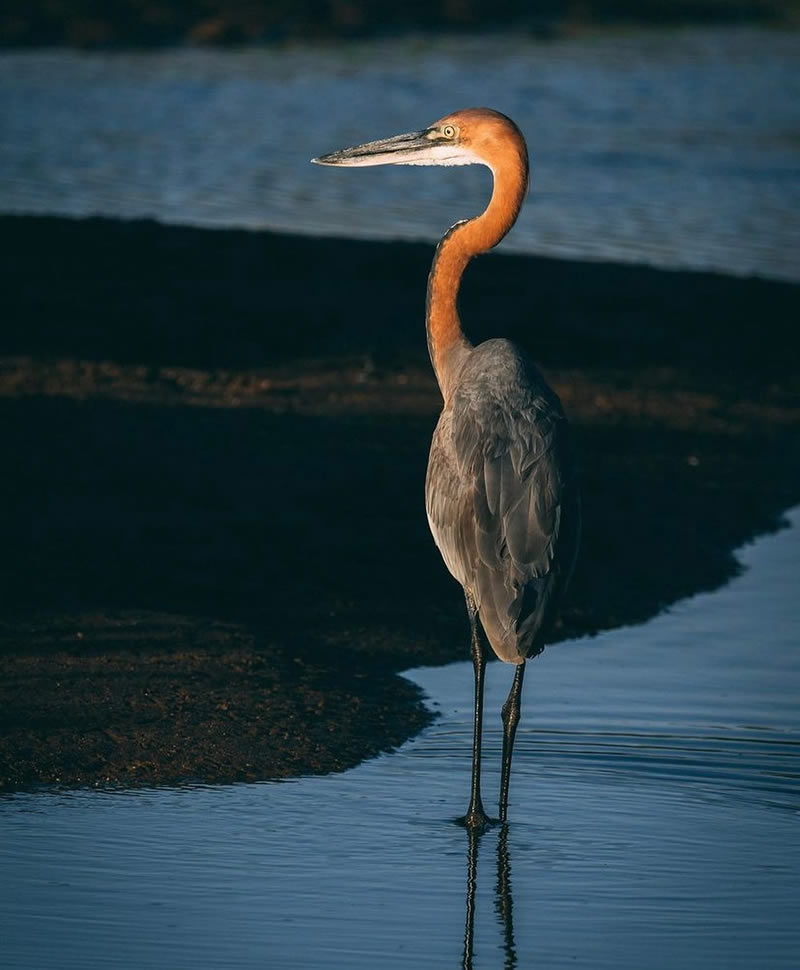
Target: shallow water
<point>655,811</point>
<point>674,148</point>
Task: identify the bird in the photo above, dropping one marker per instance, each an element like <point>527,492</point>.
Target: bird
<point>501,490</point>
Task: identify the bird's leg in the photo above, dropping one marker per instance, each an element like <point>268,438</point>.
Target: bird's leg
<point>476,817</point>
<point>510,715</point>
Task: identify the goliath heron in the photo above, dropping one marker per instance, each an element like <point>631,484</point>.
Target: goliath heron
<point>501,494</point>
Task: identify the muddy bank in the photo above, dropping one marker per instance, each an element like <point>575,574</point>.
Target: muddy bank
<point>141,23</point>
<point>215,553</point>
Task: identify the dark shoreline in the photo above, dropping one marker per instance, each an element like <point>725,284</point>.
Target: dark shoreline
<point>119,24</point>
<point>216,558</point>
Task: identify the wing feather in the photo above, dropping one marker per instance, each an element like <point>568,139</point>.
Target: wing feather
<point>499,481</point>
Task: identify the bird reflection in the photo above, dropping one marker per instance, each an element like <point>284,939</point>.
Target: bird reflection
<point>503,903</point>
<point>473,840</point>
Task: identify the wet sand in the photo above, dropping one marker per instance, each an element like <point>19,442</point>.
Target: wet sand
<point>215,556</point>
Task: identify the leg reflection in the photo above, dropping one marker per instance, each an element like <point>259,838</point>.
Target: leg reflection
<point>503,903</point>
<point>473,840</point>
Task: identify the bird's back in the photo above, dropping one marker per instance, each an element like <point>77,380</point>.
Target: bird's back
<point>501,496</point>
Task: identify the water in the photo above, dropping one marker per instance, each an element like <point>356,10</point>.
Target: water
<point>674,148</point>
<point>655,811</point>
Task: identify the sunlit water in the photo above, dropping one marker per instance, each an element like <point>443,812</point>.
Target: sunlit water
<point>655,813</point>
<point>675,148</point>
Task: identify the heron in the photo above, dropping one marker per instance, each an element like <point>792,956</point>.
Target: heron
<point>500,492</point>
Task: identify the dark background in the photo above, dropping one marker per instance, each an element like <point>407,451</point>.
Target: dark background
<point>215,555</point>
<point>126,23</point>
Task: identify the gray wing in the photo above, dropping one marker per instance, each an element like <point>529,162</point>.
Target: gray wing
<point>503,507</point>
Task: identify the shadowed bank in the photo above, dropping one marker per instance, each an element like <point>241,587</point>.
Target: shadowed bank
<point>216,556</point>
<point>138,23</point>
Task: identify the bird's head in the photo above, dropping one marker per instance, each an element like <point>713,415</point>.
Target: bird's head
<point>474,136</point>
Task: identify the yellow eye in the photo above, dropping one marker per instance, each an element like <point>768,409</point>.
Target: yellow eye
<point>449,131</point>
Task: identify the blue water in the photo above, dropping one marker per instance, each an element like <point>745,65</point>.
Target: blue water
<point>673,148</point>
<point>655,822</point>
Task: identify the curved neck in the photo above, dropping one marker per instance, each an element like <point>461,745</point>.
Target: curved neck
<point>447,344</point>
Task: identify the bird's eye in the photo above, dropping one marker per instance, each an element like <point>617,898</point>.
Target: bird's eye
<point>449,131</point>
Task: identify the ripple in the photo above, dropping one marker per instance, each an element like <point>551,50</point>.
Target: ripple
<point>676,149</point>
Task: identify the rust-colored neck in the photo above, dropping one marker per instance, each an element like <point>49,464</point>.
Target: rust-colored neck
<point>446,341</point>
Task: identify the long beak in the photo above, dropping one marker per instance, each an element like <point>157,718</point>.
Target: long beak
<point>413,148</point>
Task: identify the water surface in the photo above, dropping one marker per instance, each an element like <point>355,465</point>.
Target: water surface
<point>655,811</point>
<point>673,148</point>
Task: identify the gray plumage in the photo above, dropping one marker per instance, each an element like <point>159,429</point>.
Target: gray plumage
<point>501,496</point>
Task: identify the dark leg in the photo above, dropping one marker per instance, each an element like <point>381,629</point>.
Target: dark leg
<point>510,715</point>
<point>476,817</point>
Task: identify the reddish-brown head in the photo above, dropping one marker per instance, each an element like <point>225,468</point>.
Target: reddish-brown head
<point>489,136</point>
